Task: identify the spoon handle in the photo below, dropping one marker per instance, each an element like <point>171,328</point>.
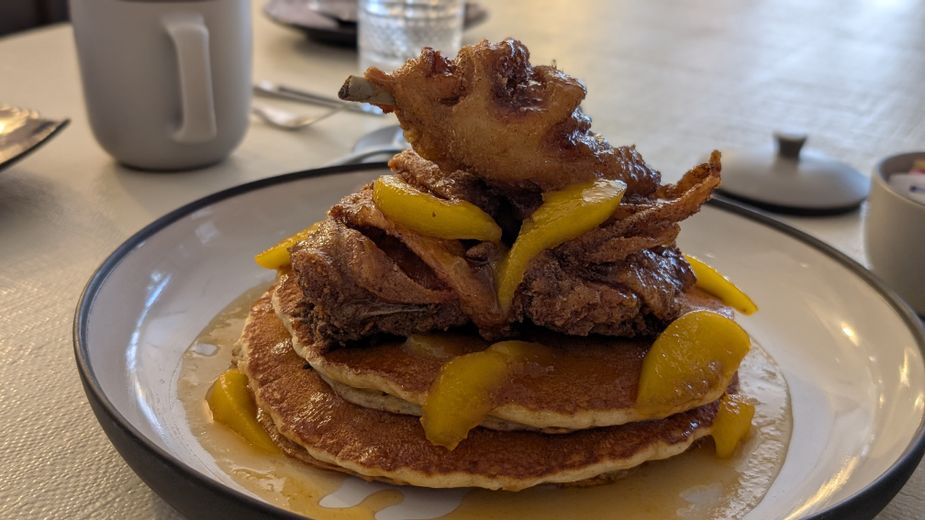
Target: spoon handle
<point>358,157</point>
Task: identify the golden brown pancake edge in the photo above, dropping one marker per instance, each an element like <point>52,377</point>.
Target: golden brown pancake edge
<point>597,388</point>
<point>391,447</point>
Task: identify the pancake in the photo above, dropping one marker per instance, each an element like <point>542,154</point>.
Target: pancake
<point>389,403</point>
<point>591,382</point>
<point>318,424</point>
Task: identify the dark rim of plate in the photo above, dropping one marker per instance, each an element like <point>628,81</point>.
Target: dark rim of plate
<point>863,504</point>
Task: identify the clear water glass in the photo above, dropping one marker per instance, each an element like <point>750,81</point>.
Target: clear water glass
<point>392,31</point>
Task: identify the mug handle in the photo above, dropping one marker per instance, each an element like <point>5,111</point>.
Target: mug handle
<point>190,38</point>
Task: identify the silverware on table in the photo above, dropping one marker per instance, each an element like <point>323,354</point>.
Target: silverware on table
<point>285,120</point>
<point>268,88</point>
<point>23,130</point>
<point>358,157</point>
<point>388,140</point>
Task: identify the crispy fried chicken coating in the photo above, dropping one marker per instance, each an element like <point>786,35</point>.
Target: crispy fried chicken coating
<point>491,113</point>
<point>493,130</point>
<point>362,274</point>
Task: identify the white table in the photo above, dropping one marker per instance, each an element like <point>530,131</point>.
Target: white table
<point>677,80</point>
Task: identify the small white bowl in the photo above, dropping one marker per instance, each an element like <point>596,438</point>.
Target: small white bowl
<point>894,232</point>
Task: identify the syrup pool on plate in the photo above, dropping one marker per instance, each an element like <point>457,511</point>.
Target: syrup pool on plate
<point>695,484</point>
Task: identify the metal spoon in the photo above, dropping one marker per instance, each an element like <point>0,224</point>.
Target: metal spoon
<point>384,141</point>
<point>284,120</point>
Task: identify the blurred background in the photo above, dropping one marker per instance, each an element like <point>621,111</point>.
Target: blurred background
<point>18,15</point>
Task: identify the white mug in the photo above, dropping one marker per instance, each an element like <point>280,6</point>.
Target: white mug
<point>894,232</point>
<point>167,83</point>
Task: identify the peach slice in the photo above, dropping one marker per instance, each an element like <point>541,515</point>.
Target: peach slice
<point>732,424</point>
<point>461,396</point>
<point>713,282</point>
<point>432,216</point>
<point>232,405</point>
<point>278,255</point>
<point>564,215</point>
<point>694,355</point>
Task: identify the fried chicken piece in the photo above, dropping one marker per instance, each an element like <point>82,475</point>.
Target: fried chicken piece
<point>610,271</point>
<point>625,277</point>
<point>637,225</point>
<point>354,287</point>
<point>470,281</point>
<point>636,296</point>
<point>491,113</point>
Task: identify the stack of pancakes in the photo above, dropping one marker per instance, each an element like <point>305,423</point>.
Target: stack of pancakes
<point>344,352</point>
<point>570,420</point>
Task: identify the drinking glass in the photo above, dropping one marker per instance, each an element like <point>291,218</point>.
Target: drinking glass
<point>392,31</point>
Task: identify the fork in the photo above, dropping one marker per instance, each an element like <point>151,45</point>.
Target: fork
<point>284,120</point>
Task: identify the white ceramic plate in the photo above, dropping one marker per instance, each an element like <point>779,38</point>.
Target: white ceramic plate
<point>851,352</point>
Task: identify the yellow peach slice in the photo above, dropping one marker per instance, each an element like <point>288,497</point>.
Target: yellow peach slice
<point>432,216</point>
<point>692,356</point>
<point>232,405</point>
<point>732,423</point>
<point>563,216</point>
<point>461,395</point>
<point>713,282</point>
<point>278,255</point>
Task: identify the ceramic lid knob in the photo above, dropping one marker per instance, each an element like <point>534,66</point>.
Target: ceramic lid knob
<point>789,144</point>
